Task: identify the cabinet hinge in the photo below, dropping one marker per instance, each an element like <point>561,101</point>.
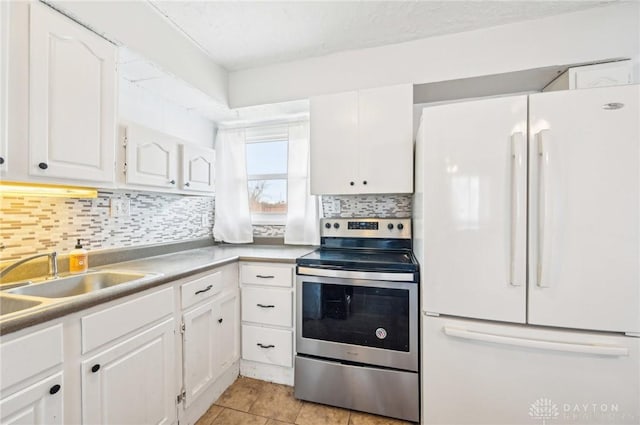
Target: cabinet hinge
<point>126,140</point>
<point>182,328</point>
<point>181,397</point>
<point>124,168</point>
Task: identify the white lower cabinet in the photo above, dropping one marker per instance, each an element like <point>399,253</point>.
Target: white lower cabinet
<point>132,382</point>
<point>210,342</point>
<point>31,377</point>
<point>267,321</point>
<point>40,403</point>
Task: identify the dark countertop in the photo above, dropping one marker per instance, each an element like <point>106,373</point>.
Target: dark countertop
<point>166,268</point>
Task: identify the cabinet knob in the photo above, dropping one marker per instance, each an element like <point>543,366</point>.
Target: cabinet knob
<point>172,182</point>
<point>364,182</point>
<point>54,389</point>
<point>220,320</point>
<point>43,166</point>
<point>351,183</point>
<point>95,368</point>
<point>1,160</point>
<point>187,184</point>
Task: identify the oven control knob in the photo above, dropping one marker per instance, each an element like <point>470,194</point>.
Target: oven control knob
<point>327,225</point>
<point>400,226</point>
<point>390,226</point>
<point>336,226</point>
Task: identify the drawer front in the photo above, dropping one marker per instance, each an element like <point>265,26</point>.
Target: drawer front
<point>104,326</point>
<point>267,306</point>
<point>265,345</point>
<point>29,355</point>
<point>270,275</point>
<point>201,289</point>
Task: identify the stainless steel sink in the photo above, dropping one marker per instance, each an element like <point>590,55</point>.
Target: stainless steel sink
<point>77,285</point>
<point>10,305</point>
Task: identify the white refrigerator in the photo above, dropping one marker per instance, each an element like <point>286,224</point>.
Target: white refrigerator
<point>526,228</point>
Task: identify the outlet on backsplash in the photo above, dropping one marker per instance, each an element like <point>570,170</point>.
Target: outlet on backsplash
<point>205,220</point>
<point>336,206</point>
<point>120,207</point>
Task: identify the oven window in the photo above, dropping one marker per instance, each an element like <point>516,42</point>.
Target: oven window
<point>368,316</point>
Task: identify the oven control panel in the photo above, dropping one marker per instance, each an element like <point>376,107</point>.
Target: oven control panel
<point>395,228</point>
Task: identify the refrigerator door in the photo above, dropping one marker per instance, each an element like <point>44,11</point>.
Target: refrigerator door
<point>476,372</point>
<point>584,209</point>
<point>473,205</point>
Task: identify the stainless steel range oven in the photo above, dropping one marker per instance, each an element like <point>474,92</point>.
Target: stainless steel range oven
<point>357,318</point>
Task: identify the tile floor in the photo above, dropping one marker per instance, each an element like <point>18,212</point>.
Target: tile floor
<point>252,402</point>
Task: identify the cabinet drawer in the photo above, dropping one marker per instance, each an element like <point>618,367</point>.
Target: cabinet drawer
<point>29,355</point>
<point>265,345</point>
<point>107,325</point>
<point>267,306</point>
<point>258,274</point>
<point>201,289</point>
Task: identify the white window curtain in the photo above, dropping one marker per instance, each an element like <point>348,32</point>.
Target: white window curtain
<point>302,226</point>
<point>233,218</point>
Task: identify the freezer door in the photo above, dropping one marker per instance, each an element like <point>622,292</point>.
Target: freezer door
<point>477,372</point>
<point>584,209</point>
<point>472,159</point>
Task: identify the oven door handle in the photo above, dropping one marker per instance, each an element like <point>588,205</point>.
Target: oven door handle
<point>351,274</point>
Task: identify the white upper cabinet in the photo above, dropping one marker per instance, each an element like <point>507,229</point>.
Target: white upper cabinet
<point>362,141</point>
<point>198,168</point>
<point>151,158</point>
<point>72,126</point>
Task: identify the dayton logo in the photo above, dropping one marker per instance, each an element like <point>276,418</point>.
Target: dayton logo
<point>543,409</point>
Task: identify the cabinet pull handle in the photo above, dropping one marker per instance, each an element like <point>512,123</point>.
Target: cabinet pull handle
<point>43,165</point>
<point>266,305</point>
<point>266,346</point>
<point>172,182</point>
<point>204,290</point>
<point>95,368</point>
<point>220,320</point>
<point>187,184</point>
<point>54,389</point>
<point>261,276</point>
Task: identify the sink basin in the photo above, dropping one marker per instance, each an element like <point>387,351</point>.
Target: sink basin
<point>10,305</point>
<point>77,285</point>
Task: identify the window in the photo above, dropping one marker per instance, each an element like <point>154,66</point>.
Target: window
<point>267,151</point>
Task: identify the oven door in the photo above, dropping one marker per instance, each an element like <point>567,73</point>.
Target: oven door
<point>358,320</point>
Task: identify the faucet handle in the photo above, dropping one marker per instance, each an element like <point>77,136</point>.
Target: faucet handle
<point>53,265</point>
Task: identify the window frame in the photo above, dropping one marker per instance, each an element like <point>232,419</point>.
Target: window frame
<point>270,219</point>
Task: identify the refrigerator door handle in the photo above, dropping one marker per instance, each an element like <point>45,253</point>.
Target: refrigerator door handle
<point>517,260</point>
<point>540,344</point>
<point>545,206</point>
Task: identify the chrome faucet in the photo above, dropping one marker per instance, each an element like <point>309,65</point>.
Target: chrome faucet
<point>53,264</point>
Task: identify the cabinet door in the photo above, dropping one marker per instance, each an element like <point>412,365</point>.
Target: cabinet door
<point>152,158</point>
<point>133,382</point>
<point>385,134</point>
<point>334,143</point>
<point>72,99</point>
<point>198,169</point>
<point>199,349</point>
<point>474,165</point>
<point>584,200</point>
<point>40,403</point>
<point>228,333</point>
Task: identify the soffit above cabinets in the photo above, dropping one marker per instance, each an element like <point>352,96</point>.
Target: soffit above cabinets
<point>247,34</point>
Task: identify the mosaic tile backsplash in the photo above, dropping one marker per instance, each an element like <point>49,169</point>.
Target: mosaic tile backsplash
<point>345,206</point>
<point>33,225</point>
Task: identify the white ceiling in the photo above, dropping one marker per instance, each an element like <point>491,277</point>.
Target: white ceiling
<point>246,34</point>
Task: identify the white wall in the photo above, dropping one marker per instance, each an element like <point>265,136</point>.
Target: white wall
<point>143,107</point>
<point>596,34</point>
<point>139,26</point>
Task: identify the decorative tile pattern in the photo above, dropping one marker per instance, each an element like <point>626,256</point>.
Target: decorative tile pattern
<point>367,206</point>
<point>268,231</point>
<point>34,225</point>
